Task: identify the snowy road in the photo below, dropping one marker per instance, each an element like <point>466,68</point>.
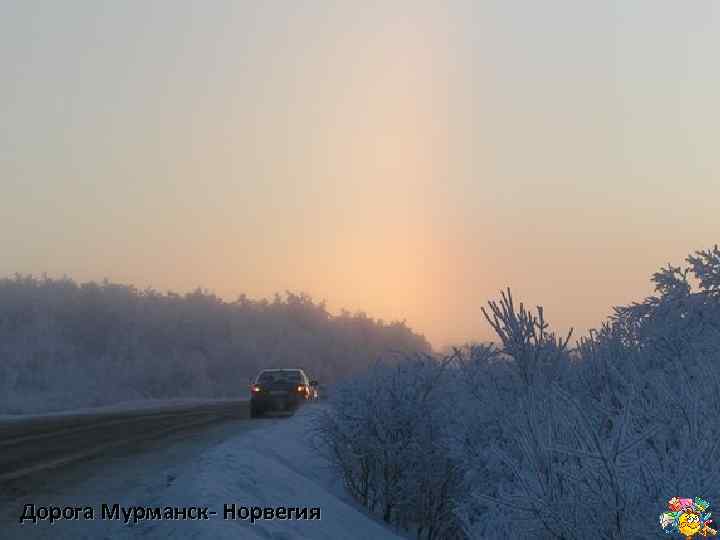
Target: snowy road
<point>32,443</point>
<point>263,463</point>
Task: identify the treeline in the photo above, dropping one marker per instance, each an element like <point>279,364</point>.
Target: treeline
<point>67,345</point>
<point>536,440</point>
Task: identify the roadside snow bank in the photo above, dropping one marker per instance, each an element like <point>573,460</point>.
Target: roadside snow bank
<point>268,467</point>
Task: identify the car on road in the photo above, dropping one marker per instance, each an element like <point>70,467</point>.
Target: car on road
<point>280,390</point>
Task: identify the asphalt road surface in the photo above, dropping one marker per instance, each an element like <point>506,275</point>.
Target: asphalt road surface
<point>134,468</point>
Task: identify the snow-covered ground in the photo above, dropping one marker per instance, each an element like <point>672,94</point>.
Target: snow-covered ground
<point>270,463</point>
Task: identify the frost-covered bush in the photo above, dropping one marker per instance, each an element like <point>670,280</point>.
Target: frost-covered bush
<point>387,435</point>
<point>64,345</point>
<point>625,422</point>
<point>543,442</point>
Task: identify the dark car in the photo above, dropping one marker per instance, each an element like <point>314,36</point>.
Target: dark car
<point>280,390</point>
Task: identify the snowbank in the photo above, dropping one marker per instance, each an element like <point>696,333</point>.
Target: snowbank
<point>269,468</point>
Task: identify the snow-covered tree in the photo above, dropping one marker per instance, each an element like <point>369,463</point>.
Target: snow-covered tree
<point>68,345</point>
<point>532,440</point>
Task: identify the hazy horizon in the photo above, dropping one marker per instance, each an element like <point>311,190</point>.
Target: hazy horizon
<point>408,160</point>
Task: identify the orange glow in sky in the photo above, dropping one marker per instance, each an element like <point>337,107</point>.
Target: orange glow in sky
<point>409,160</point>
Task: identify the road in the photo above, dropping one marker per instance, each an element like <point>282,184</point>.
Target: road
<point>126,474</point>
<point>264,463</point>
<point>34,443</point>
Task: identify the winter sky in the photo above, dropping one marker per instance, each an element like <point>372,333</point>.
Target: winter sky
<point>405,158</point>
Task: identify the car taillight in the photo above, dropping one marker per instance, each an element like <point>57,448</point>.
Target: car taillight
<point>255,388</point>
